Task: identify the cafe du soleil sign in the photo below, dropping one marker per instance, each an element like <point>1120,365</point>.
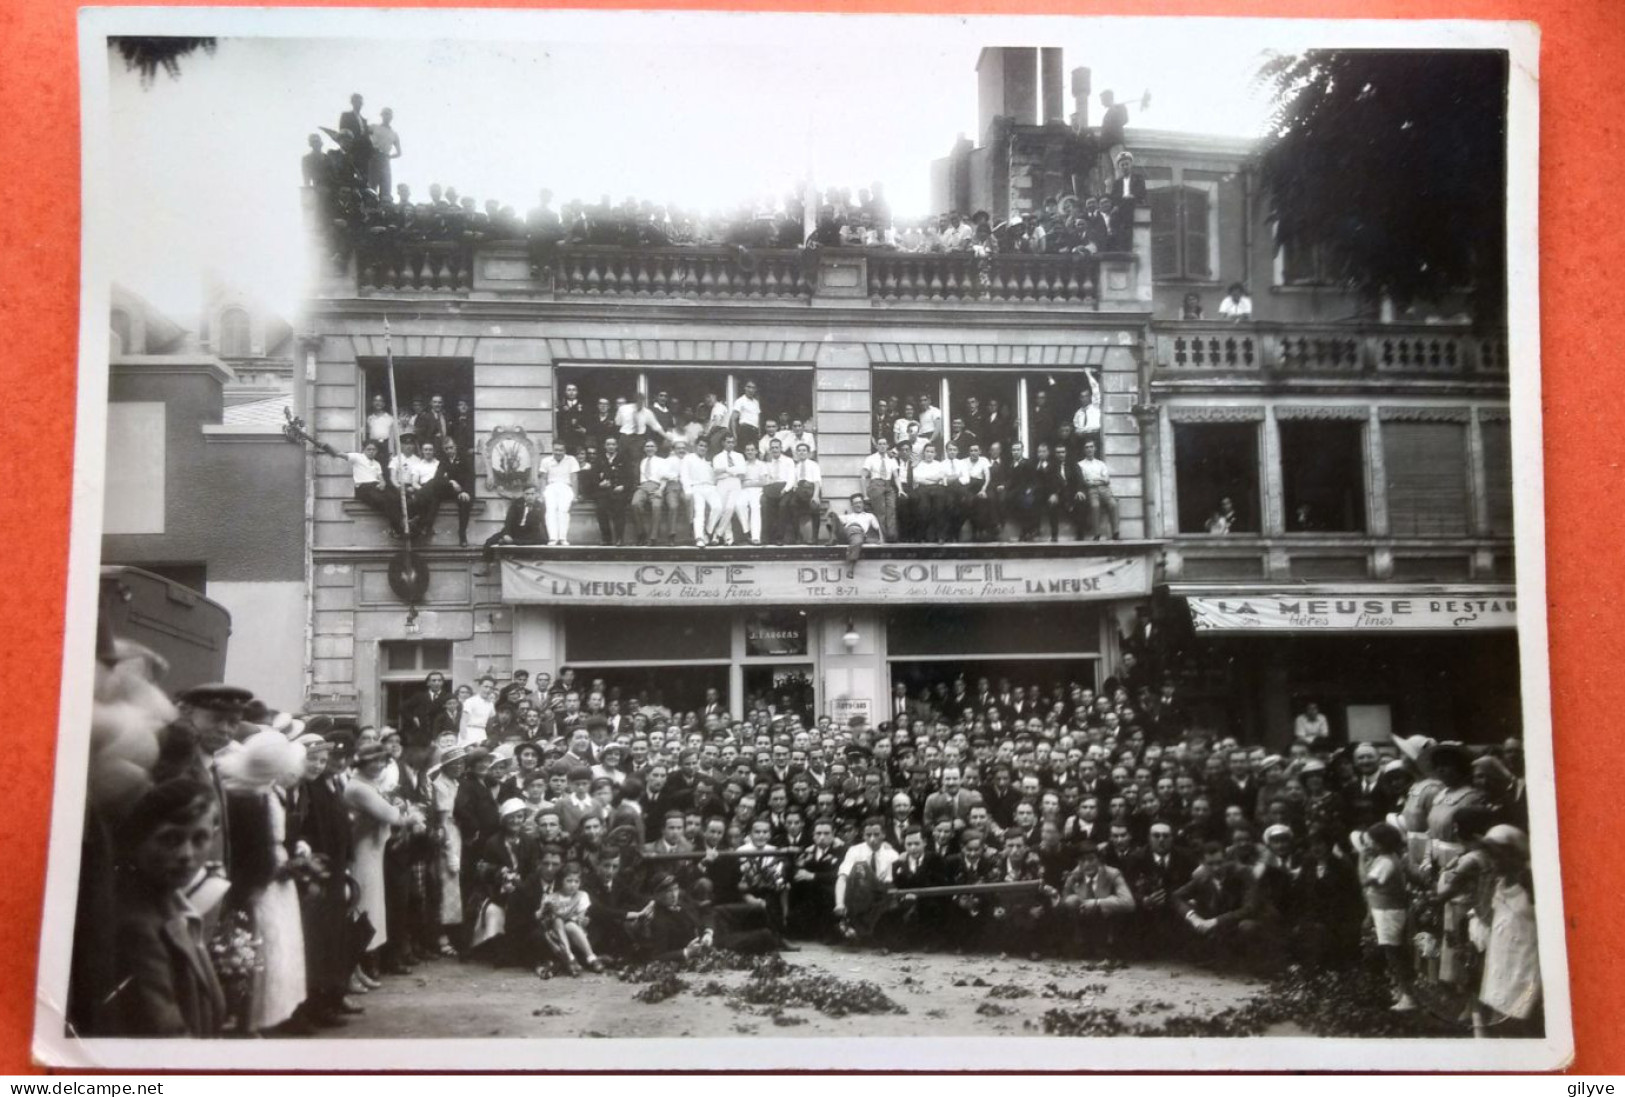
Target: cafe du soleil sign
<point>1353,612</point>
<point>789,582</point>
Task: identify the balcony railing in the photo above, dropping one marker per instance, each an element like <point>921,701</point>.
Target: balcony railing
<point>1188,350</point>
<point>679,272</point>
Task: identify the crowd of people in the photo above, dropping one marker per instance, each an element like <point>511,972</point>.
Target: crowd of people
<point>365,212</point>
<point>260,872</point>
<point>663,472</point>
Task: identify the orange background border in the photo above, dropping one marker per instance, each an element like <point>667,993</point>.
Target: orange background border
<point>1582,107</point>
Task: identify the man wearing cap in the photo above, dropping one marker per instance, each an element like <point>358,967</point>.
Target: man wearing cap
<point>209,721</point>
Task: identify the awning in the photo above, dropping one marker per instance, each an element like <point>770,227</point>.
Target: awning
<point>1396,608</point>
<point>635,583</point>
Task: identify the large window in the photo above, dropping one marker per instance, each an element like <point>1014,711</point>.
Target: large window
<point>1216,477</point>
<point>1323,476</point>
<point>785,393</point>
<point>1300,263</point>
<point>652,658</point>
<point>1184,230</point>
<point>402,667</point>
<point>234,341</point>
<point>418,381</point>
<point>993,405</point>
<point>1426,466</point>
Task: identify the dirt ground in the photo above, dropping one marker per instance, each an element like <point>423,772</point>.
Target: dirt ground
<point>942,995</point>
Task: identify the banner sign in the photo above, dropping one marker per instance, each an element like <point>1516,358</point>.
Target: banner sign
<point>1353,612</point>
<point>842,710</point>
<point>789,582</point>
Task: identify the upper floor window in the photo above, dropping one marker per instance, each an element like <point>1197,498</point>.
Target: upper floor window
<point>1184,230</point>
<point>1498,476</point>
<point>1323,475</point>
<point>234,339</point>
<point>1216,477</point>
<point>1301,263</point>
<point>1426,466</point>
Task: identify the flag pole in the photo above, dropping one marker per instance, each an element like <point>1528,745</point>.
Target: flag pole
<point>395,416</point>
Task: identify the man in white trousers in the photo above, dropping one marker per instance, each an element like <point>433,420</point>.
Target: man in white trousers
<point>558,472</point>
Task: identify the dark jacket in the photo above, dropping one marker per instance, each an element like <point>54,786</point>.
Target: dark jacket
<point>166,982</point>
<point>525,529</point>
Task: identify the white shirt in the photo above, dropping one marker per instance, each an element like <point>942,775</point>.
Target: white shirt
<point>758,474</point>
<point>782,471</point>
<point>807,470</point>
<point>558,470</point>
<point>881,468</point>
<point>631,419</point>
<point>749,411</point>
<point>419,472</point>
<point>930,422</point>
<point>659,469</point>
<point>864,520</point>
<point>1234,308</point>
<point>695,471</point>
<point>477,712</point>
<point>729,464</point>
<point>1094,471</point>
<point>884,859</point>
<point>899,430</point>
<point>973,468</point>
<point>365,469</point>
<point>932,472</point>
<point>719,416</point>
<point>380,426</point>
<point>1086,420</point>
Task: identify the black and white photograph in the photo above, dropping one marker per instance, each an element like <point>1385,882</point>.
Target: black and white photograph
<point>656,541</point>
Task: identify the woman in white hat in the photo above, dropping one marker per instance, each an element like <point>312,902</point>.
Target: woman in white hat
<point>255,776</point>
<point>503,861</point>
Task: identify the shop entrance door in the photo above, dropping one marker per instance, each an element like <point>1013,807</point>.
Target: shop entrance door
<point>785,688</point>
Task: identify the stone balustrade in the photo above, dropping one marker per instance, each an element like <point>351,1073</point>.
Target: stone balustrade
<point>1202,348</point>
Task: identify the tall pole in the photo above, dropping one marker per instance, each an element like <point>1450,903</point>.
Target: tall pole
<point>395,417</point>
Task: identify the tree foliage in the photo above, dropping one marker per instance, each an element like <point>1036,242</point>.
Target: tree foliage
<point>1393,164</point>
<point>148,55</point>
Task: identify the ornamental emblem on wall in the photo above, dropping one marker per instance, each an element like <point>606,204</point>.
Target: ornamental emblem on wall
<point>510,461</point>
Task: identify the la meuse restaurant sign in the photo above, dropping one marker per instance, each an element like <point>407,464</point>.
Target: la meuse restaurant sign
<point>789,582</point>
<point>1339,612</point>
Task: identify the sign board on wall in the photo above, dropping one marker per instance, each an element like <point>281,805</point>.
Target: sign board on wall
<point>842,710</point>
<point>788,582</point>
<point>1323,612</point>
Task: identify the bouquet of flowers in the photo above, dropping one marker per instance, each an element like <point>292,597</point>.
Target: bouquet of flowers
<point>308,871</point>
<point>507,881</point>
<point>238,954</point>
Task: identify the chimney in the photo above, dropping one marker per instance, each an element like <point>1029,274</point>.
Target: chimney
<point>1007,85</point>
<point>1080,98</point>
<point>1049,69</point>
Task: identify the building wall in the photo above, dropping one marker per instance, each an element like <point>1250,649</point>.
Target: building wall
<point>234,501</point>
<point>266,653</point>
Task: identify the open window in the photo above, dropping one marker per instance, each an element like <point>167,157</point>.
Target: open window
<point>785,393</point>
<point>1323,475</point>
<point>1216,477</point>
<point>418,381</point>
<point>402,667</point>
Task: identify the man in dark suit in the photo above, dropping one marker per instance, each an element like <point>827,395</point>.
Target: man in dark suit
<point>319,818</point>
<point>571,420</point>
<point>922,921</point>
<point>1045,487</point>
<point>614,480</point>
<point>524,525</point>
<point>356,136</point>
<point>454,480</point>
<point>1214,904</point>
<point>1154,875</point>
<point>420,709</point>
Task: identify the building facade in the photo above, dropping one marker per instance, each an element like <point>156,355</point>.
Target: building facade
<point>1364,560</point>
<point>203,499</point>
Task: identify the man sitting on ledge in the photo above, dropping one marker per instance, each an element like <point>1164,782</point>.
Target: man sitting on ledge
<point>522,526</point>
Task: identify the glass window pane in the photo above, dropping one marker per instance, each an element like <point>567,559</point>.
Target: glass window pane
<point>1214,462</point>
<point>1323,476</point>
<point>614,635</point>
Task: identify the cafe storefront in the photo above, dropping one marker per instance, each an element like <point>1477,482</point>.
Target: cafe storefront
<point>1441,661</point>
<point>803,636</point>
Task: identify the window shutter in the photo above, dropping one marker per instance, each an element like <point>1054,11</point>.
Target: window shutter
<point>1498,476</point>
<point>1164,232</point>
<point>1427,478</point>
<point>1195,208</point>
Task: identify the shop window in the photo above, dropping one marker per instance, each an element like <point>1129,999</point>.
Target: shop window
<point>234,341</point>
<point>971,631</point>
<point>1215,462</point>
<point>1182,231</point>
<point>1323,476</point>
<point>402,667</point>
<point>1498,476</point>
<point>643,635</point>
<point>1426,465</point>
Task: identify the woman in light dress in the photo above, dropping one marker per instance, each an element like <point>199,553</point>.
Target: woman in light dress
<point>444,777</point>
<point>372,816</point>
